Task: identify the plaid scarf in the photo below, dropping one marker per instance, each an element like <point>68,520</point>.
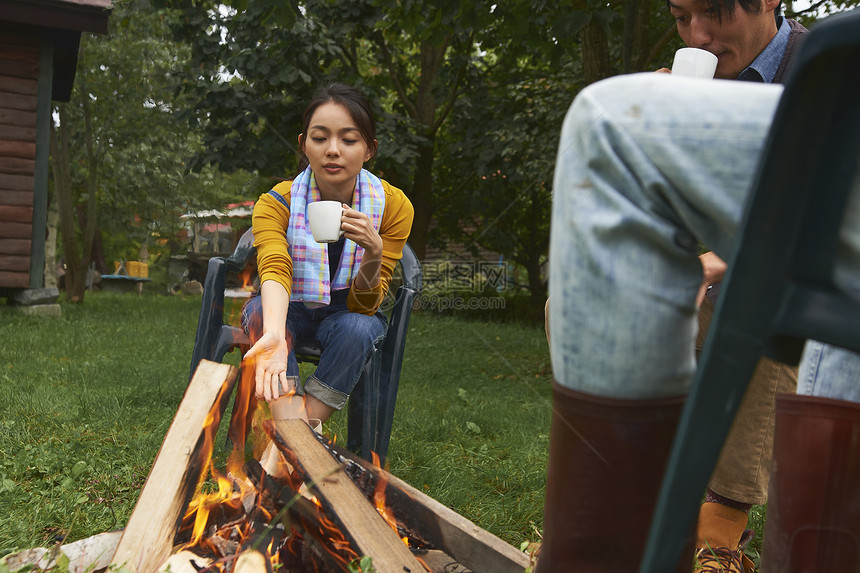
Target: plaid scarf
<point>311,281</point>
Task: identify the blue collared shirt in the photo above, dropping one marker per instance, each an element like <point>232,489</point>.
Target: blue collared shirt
<point>764,67</point>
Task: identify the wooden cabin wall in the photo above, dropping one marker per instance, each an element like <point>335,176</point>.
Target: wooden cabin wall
<point>19,79</point>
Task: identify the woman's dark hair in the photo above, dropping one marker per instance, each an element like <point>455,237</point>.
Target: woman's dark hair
<point>357,105</point>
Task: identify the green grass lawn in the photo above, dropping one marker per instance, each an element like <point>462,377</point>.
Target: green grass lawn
<point>85,402</point>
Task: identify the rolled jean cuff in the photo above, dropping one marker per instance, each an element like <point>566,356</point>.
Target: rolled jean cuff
<point>297,384</point>
<point>325,394</point>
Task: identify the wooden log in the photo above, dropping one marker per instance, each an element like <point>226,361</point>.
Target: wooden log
<point>19,68</point>
<point>18,101</point>
<point>181,462</point>
<point>15,247</point>
<point>252,561</point>
<point>21,86</point>
<point>17,133</point>
<point>89,554</point>
<point>17,230</point>
<point>14,280</point>
<point>18,117</point>
<point>14,263</point>
<point>476,548</point>
<point>17,165</point>
<point>22,149</point>
<point>279,496</point>
<point>184,562</point>
<point>16,197</point>
<point>16,182</point>
<point>359,521</point>
<point>21,48</point>
<point>15,213</point>
<point>307,518</point>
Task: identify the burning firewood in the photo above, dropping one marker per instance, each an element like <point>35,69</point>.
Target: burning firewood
<point>148,537</point>
<point>342,501</point>
<point>252,562</point>
<point>324,509</point>
<point>439,526</point>
<point>184,562</point>
<point>306,518</point>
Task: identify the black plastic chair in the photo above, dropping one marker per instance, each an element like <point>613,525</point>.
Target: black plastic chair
<point>371,405</point>
<point>779,290</point>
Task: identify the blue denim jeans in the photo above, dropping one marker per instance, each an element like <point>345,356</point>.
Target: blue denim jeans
<point>649,166</point>
<point>347,340</point>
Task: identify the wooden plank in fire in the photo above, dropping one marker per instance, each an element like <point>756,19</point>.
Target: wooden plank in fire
<point>470,545</point>
<point>306,517</point>
<point>343,502</point>
<point>148,537</point>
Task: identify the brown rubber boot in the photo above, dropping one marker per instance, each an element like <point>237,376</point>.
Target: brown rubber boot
<point>606,463</point>
<point>720,539</point>
<point>813,512</point>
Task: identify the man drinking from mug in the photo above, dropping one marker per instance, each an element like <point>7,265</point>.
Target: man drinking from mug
<point>752,42</point>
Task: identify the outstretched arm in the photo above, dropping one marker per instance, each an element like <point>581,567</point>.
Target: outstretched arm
<point>270,352</point>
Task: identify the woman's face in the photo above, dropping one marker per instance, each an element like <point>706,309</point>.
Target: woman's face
<point>335,150</point>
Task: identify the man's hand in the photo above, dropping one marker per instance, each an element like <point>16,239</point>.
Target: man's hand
<point>713,270</point>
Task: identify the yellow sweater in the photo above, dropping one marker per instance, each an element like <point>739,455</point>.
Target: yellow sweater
<point>270,221</point>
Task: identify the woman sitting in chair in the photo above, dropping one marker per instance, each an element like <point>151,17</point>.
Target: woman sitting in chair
<point>324,292</point>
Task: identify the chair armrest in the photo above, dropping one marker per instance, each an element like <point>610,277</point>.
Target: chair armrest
<point>411,267</point>
<point>243,252</point>
<point>211,312</point>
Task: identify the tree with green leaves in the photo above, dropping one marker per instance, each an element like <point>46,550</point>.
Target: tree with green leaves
<point>118,151</point>
<point>506,202</point>
<point>257,63</point>
<point>469,95</point>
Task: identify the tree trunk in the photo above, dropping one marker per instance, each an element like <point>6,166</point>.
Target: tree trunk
<point>595,51</point>
<point>422,200</point>
<point>77,262</point>
<point>53,220</point>
<point>97,254</point>
<point>425,110</point>
<point>537,286</point>
<point>92,187</point>
<point>636,45</point>
<point>532,253</point>
<point>60,157</point>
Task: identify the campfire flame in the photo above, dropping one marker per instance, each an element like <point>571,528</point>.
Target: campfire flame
<point>230,512</point>
<point>228,500</point>
<point>379,501</point>
<point>246,276</point>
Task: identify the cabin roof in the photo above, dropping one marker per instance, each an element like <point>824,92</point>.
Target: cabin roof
<point>65,21</point>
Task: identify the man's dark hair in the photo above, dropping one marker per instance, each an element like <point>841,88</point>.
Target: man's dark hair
<point>748,6</point>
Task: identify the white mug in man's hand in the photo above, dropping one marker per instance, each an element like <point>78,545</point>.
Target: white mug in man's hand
<point>324,217</point>
<point>694,63</point>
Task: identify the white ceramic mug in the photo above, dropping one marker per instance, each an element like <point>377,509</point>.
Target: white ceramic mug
<point>694,63</point>
<point>324,217</point>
